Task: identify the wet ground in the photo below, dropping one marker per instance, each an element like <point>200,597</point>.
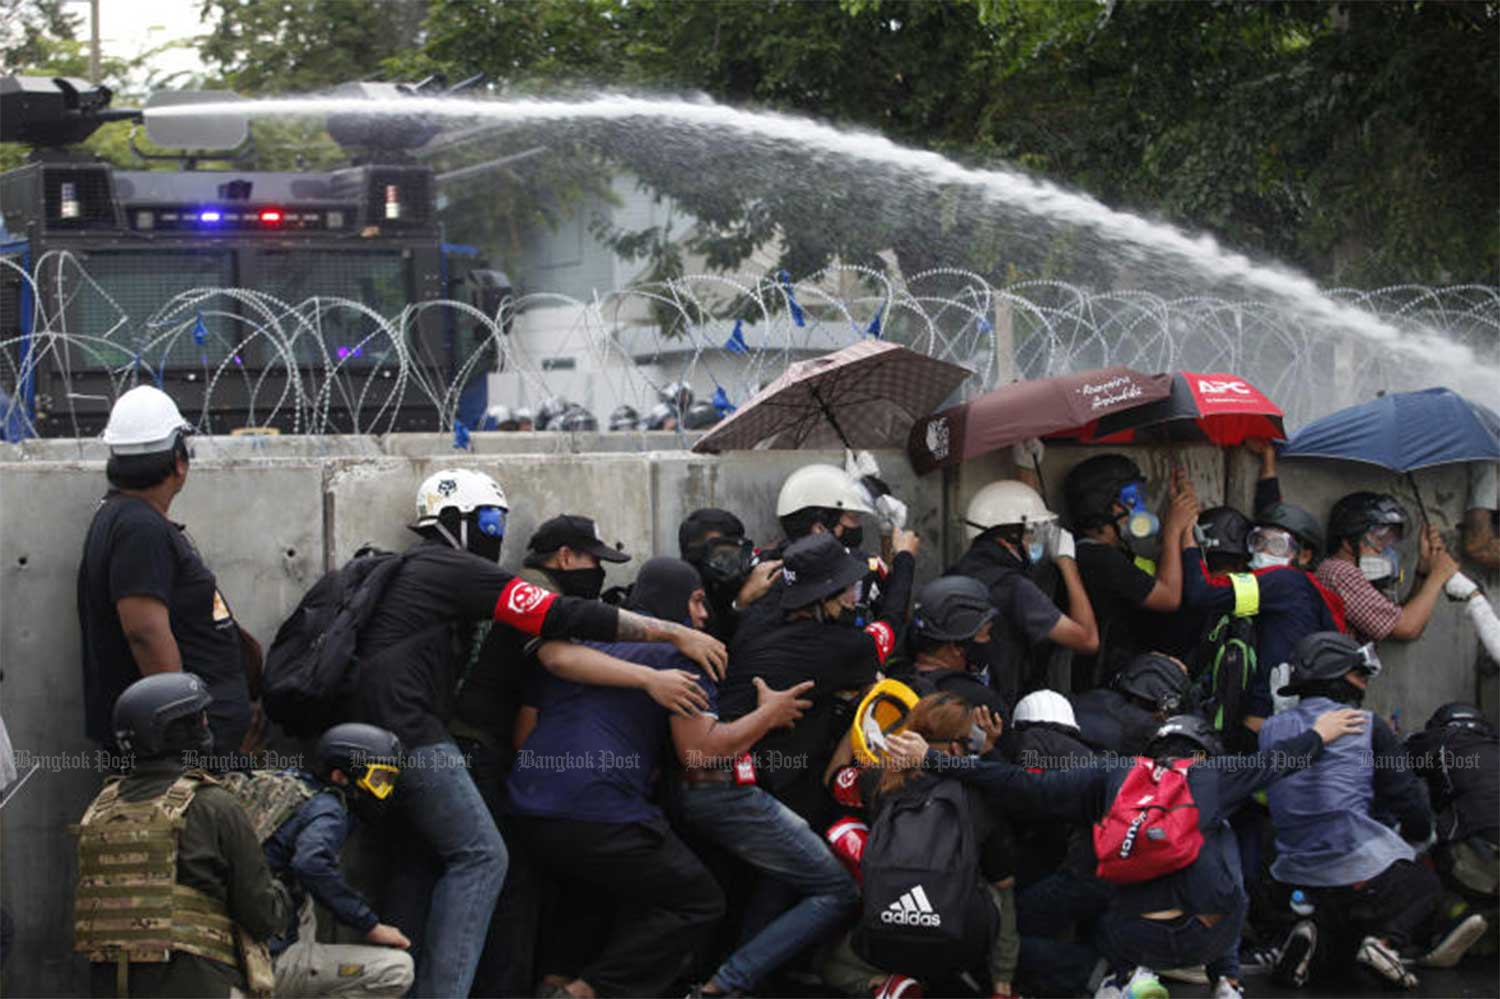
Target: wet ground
<point>1473,979</point>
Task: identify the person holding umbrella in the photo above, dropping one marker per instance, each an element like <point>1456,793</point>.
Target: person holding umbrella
<point>1364,567</point>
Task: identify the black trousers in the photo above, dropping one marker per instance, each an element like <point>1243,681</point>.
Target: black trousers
<point>1395,904</point>
<point>664,900</point>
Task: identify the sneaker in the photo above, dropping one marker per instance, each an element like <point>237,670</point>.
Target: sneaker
<point>1194,975</point>
<point>1293,965</point>
<point>1447,951</point>
<point>1225,989</point>
<point>899,987</point>
<point>1137,984</point>
<point>1256,960</point>
<point>1377,955</point>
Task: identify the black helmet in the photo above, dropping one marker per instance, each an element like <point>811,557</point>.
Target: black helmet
<point>678,394</point>
<point>624,418</point>
<point>1457,714</point>
<point>550,411</point>
<point>577,419</point>
<point>1224,532</point>
<point>1324,657</point>
<point>355,748</point>
<point>659,415</point>
<point>1154,678</point>
<point>1092,488</point>
<point>1295,521</point>
<point>1179,732</point>
<point>1359,512</point>
<point>700,416</point>
<point>952,609</point>
<point>162,715</point>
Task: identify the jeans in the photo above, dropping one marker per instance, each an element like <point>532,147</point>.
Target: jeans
<point>1128,941</point>
<point>1047,910</point>
<point>443,808</point>
<point>770,837</point>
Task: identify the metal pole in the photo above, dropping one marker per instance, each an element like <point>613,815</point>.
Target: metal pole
<point>94,41</point>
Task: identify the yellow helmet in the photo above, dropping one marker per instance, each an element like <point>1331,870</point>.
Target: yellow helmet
<point>881,713</point>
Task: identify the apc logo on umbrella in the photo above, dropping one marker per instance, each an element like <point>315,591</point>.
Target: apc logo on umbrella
<point>1207,387</point>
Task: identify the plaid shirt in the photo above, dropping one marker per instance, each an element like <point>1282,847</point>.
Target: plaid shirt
<point>1371,615</point>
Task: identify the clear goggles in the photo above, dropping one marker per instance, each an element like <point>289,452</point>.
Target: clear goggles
<point>1384,536</point>
<point>1273,541</point>
<point>490,520</point>
<point>379,779</point>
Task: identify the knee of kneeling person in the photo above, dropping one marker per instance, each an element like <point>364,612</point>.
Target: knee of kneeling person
<point>397,973</point>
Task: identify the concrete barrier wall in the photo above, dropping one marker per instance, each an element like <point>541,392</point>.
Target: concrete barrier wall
<point>270,514</point>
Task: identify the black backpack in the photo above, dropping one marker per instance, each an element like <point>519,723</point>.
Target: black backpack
<point>927,911</point>
<point>310,672</point>
<point>1227,663</point>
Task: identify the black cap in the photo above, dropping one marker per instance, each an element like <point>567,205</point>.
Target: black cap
<point>570,531</point>
<point>817,567</point>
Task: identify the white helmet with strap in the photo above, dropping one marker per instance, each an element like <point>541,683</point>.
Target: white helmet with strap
<point>1045,706</point>
<point>463,489</point>
<point>144,420</point>
<point>1004,503</point>
<point>824,486</point>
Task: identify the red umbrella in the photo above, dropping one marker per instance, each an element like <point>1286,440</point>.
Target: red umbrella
<point>1065,406</point>
<point>1216,407</point>
<point>863,396</point>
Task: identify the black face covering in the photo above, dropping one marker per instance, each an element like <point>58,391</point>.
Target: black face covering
<point>485,546</point>
<point>664,589</point>
<point>851,537</point>
<point>583,583</point>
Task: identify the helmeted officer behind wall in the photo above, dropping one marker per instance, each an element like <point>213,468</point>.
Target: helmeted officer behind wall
<point>174,896</point>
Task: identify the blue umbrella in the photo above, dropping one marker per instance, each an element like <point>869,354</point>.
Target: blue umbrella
<point>1403,431</point>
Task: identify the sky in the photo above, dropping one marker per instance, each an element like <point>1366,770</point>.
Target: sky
<point>130,27</point>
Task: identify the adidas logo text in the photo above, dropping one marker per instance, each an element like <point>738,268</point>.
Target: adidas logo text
<point>912,909</point>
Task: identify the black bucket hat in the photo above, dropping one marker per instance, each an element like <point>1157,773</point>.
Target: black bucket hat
<point>817,567</point>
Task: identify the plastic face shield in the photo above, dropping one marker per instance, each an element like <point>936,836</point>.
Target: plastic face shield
<point>379,779</point>
<point>491,521</point>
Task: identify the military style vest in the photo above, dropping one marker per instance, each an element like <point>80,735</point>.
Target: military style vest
<point>268,797</point>
<point>129,907</point>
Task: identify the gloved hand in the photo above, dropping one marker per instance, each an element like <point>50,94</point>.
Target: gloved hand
<point>1028,453</point>
<point>1460,587</point>
<point>892,513</point>
<point>1060,544</point>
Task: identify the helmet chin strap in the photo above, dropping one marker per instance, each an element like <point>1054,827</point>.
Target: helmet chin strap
<point>462,542</point>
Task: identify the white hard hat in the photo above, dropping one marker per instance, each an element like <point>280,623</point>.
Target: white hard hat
<point>144,420</point>
<point>461,488</point>
<point>1005,502</point>
<point>1045,706</point>
<point>821,486</point>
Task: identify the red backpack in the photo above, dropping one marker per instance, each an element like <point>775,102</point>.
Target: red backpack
<point>1151,828</point>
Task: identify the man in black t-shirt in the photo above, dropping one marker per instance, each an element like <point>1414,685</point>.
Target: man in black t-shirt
<point>411,655</point>
<point>815,639</point>
<point>147,602</point>
<point>1106,497</point>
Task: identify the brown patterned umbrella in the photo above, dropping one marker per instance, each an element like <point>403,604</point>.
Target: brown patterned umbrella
<point>1067,406</point>
<point>864,396</point>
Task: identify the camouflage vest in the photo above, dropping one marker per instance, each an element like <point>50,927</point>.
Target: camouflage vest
<point>129,907</point>
<point>269,797</point>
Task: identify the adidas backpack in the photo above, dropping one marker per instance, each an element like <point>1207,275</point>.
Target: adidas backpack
<point>927,911</point>
<point>1151,828</point>
<point>310,673</point>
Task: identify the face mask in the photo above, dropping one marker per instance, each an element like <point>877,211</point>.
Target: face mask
<point>583,583</point>
<point>851,538</point>
<point>723,562</point>
<point>1265,560</point>
<point>1385,566</point>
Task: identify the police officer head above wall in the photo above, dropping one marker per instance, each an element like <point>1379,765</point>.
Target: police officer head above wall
<point>163,715</point>
<point>1332,665</point>
<point>817,498</point>
<point>147,440</point>
<point>465,508</point>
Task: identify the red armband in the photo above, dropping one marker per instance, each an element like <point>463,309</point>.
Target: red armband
<point>523,606</point>
<point>846,838</point>
<point>885,639</point>
<point>846,787</point>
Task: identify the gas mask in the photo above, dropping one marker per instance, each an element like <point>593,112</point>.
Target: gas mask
<point>723,562</point>
<point>1140,522</point>
<point>1382,568</point>
<point>483,533</point>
